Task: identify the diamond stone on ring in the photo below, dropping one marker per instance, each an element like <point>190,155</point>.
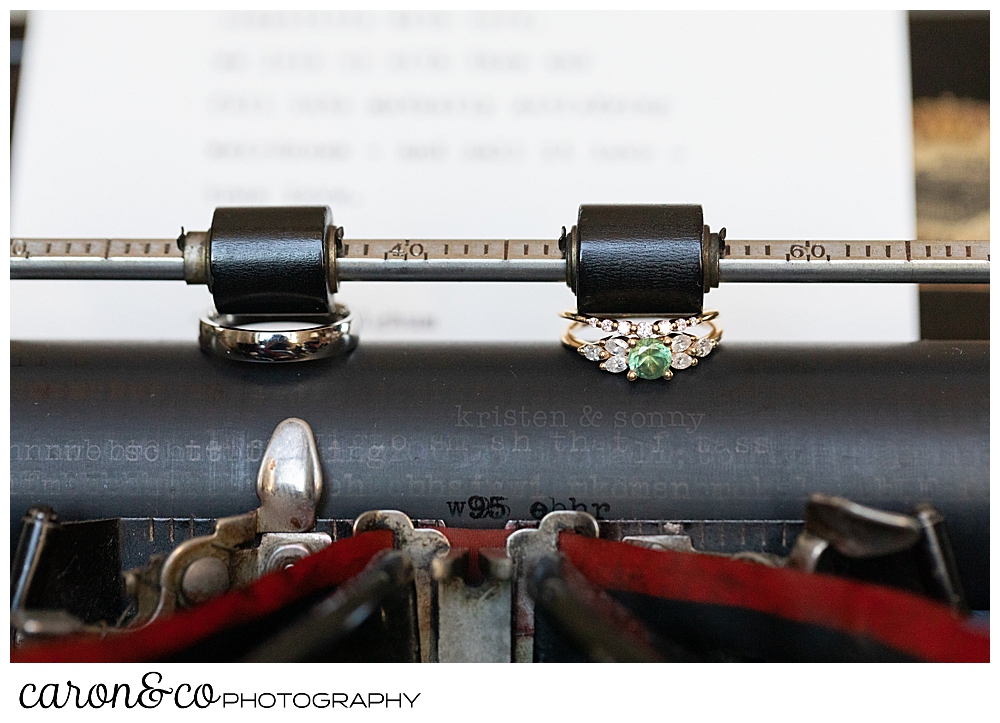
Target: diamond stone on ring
<point>646,349</point>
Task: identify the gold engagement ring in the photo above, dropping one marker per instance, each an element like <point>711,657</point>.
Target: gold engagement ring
<point>646,348</point>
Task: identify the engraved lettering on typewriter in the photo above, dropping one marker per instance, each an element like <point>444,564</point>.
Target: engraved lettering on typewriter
<point>355,487</point>
<point>711,450</point>
<point>463,417</point>
<point>430,487</point>
<point>333,453</point>
<point>193,451</point>
<point>521,443</point>
<point>374,456</point>
<point>255,450</point>
<point>590,418</point>
<point>401,450</point>
<point>639,420</point>
<point>133,452</point>
<point>496,417</point>
<point>214,451</point>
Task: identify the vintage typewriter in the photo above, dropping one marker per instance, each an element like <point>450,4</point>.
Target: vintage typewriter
<point>278,491</point>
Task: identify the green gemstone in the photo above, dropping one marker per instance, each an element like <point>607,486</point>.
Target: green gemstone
<point>649,358</point>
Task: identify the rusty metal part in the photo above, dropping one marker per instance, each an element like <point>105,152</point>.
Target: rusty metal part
<point>204,579</point>
<point>495,564</point>
<point>678,542</point>
<point>525,548</point>
<point>682,543</point>
<point>289,480</point>
<point>230,534</point>
<point>422,545</point>
<point>194,246</point>
<point>473,620</point>
<point>289,483</point>
<point>280,550</point>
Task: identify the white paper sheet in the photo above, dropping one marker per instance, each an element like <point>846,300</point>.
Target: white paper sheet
<point>495,125</point>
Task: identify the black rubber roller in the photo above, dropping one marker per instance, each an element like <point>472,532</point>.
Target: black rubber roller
<point>270,260</point>
<point>639,260</point>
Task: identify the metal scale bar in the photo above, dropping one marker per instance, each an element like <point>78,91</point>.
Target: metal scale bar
<point>924,262</point>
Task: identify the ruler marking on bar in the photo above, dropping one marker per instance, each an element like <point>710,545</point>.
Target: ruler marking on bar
<point>871,251</point>
<point>79,258</point>
<point>728,251</point>
<point>365,251</point>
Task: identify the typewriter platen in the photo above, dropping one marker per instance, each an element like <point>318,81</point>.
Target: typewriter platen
<point>487,503</point>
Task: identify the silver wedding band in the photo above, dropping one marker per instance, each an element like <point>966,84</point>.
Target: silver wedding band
<point>296,338</point>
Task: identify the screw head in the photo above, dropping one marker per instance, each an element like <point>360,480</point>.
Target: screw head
<point>284,556</point>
